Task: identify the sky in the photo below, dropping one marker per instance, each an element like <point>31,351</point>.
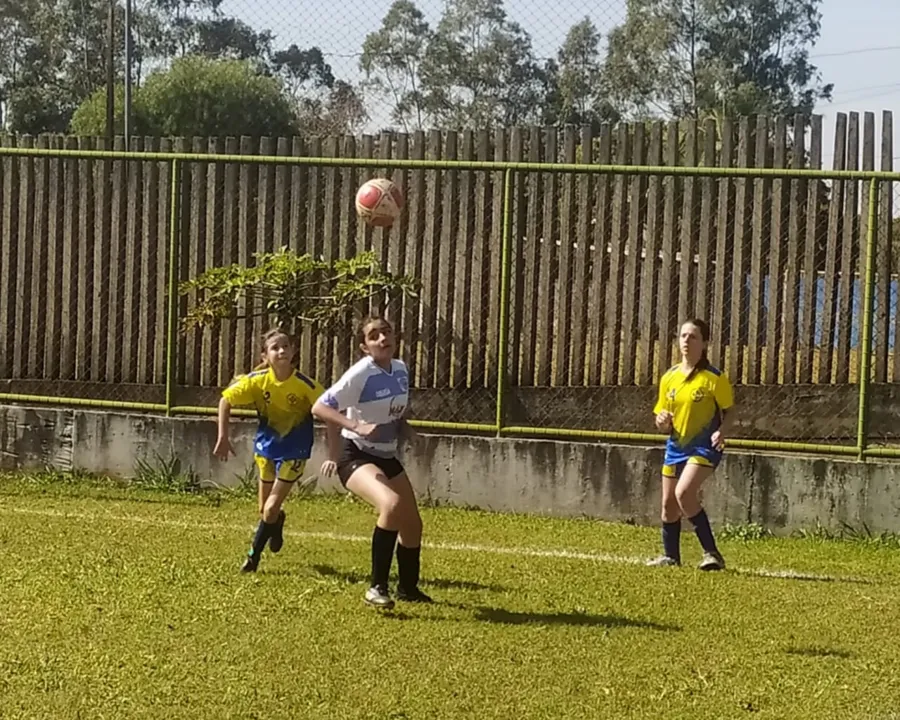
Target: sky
<point>858,49</point>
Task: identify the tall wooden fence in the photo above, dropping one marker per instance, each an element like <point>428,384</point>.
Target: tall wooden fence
<point>602,267</point>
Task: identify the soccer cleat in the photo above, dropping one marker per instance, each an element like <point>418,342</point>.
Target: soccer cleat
<point>250,564</point>
<point>663,561</point>
<point>712,561</point>
<point>415,596</point>
<point>276,542</point>
<point>378,597</point>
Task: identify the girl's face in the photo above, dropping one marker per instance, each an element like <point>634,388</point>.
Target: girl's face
<point>279,351</point>
<point>378,341</point>
<point>691,343</point>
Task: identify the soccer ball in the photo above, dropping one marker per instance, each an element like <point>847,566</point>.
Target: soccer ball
<point>379,202</point>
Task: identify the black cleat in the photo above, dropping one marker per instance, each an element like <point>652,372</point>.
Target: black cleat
<point>250,564</point>
<point>276,542</point>
<point>414,596</point>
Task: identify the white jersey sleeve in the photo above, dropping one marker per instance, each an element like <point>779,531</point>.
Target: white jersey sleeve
<point>346,391</point>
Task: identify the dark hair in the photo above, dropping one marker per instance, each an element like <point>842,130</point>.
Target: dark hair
<point>703,327</point>
<point>266,338</point>
<point>370,320</point>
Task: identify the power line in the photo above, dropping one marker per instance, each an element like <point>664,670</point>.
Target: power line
<point>856,51</point>
<point>863,98</point>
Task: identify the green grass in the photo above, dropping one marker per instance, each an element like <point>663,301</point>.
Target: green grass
<point>125,602</point>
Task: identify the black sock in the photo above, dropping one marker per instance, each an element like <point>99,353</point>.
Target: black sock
<point>383,542</point>
<point>704,532</point>
<point>671,537</point>
<point>263,532</point>
<point>408,566</point>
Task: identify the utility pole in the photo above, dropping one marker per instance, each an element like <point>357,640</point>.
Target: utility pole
<point>111,76</point>
<point>129,56</point>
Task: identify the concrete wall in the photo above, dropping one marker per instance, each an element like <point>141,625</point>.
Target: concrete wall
<point>610,482</point>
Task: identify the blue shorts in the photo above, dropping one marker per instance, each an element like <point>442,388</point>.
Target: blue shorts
<point>676,458</point>
<point>674,470</point>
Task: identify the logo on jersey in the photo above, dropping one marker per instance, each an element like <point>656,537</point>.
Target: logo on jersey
<point>292,399</point>
<point>397,410</point>
<point>698,395</point>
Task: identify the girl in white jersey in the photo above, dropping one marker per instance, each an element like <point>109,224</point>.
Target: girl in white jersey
<point>369,404</point>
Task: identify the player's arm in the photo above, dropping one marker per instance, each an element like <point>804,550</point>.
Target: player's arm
<point>223,446</point>
<point>662,416</point>
<point>330,405</point>
<point>724,395</point>
<point>240,392</point>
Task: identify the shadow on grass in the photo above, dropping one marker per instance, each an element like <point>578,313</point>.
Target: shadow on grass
<point>804,577</point>
<point>354,578</point>
<point>575,619</point>
<point>819,652</point>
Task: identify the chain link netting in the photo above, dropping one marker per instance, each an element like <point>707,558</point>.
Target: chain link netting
<point>414,64</point>
<point>447,238</point>
<point>84,266</point>
<point>608,266</point>
<point>598,280</point>
<point>883,395</point>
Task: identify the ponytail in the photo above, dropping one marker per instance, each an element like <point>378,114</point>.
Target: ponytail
<point>703,363</point>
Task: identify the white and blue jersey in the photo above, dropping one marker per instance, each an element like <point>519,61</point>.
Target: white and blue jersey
<point>370,394</point>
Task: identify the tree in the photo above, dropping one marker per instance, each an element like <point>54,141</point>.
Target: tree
<point>479,69</point>
<point>49,55</point>
<point>89,118</point>
<point>339,111</point>
<point>292,289</point>
<point>228,37</point>
<point>301,70</point>
<point>689,58</point>
<point>169,27</point>
<point>202,97</point>
<point>575,94</point>
<point>392,58</point>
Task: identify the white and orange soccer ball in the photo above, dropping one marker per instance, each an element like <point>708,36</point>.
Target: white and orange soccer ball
<point>379,202</point>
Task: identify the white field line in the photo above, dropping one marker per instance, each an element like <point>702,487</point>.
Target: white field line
<point>449,546</point>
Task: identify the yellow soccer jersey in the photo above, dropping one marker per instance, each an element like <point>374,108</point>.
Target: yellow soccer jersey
<point>695,403</point>
<point>284,408</point>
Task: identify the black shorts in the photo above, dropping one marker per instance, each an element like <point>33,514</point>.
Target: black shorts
<point>352,458</point>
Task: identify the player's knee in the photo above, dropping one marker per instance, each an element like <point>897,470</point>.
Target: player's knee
<point>687,500</point>
<point>271,510</point>
<point>412,525</point>
<point>391,509</point>
<point>671,511</point>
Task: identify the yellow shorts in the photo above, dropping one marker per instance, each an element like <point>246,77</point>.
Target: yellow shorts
<point>675,470</point>
<point>285,470</point>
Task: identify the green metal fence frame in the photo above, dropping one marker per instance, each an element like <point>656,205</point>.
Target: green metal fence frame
<point>176,161</point>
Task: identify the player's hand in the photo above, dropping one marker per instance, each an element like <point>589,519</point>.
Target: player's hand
<point>365,429</point>
<point>223,448</point>
<point>329,467</point>
<point>664,421</point>
<point>718,440</point>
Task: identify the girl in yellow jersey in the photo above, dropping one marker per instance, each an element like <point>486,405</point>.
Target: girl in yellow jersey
<point>283,398</point>
<point>695,406</point>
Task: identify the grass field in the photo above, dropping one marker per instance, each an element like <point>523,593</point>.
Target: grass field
<point>126,603</point>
